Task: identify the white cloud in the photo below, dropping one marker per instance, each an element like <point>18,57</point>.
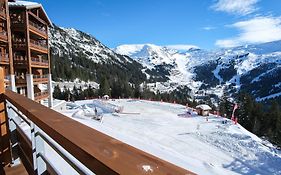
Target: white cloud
<point>237,7</point>
<point>208,28</point>
<point>182,46</point>
<point>256,30</point>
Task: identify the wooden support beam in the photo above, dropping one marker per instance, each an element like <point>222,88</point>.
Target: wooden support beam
<point>49,55</point>
<point>5,151</point>
<point>36,17</point>
<point>27,37</point>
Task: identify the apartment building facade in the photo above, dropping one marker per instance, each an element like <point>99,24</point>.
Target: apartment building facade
<point>25,49</point>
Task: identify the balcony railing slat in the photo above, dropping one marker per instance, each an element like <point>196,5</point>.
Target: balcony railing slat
<point>100,153</point>
<point>38,28</point>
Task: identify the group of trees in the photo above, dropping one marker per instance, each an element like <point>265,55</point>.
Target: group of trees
<point>264,120</point>
<point>119,89</point>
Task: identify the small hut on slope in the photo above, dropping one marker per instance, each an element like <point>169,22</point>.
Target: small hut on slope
<point>203,109</point>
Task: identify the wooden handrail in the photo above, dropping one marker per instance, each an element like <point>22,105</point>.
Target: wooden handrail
<point>100,153</point>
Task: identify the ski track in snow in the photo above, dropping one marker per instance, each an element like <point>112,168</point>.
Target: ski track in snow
<point>204,147</point>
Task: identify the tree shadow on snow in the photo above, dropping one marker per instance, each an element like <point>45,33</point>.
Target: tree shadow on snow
<point>264,165</point>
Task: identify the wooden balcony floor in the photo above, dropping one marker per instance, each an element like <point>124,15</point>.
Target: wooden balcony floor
<point>15,170</point>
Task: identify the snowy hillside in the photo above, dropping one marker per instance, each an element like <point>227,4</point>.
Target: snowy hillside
<point>71,41</point>
<point>156,59</point>
<point>240,68</point>
<point>77,55</point>
<point>190,141</point>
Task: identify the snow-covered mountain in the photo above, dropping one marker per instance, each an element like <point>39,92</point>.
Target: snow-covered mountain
<point>72,41</point>
<point>253,68</point>
<point>76,54</point>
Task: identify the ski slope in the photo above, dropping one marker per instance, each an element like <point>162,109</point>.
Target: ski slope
<point>204,147</point>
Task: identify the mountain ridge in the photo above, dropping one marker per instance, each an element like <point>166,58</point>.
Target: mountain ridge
<point>205,73</point>
<point>216,69</point>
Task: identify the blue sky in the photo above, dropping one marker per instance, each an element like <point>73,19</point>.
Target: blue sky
<point>204,23</point>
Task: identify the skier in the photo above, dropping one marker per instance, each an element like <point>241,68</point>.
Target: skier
<point>96,111</point>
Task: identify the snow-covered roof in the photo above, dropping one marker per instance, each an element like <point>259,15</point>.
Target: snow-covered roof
<point>106,96</point>
<point>204,107</point>
<point>29,5</point>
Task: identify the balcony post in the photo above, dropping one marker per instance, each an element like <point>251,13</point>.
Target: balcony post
<point>39,165</point>
<point>30,86</point>
<point>12,116</point>
<point>50,90</point>
<point>13,83</point>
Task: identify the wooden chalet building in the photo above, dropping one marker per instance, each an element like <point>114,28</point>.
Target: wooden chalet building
<point>25,49</point>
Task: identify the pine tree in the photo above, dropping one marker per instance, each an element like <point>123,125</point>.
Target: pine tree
<point>104,87</point>
<point>57,93</point>
<point>75,93</point>
<point>225,106</point>
<point>258,118</point>
<point>274,122</point>
<point>245,112</point>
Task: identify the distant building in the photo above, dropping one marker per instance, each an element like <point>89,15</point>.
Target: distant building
<point>203,109</point>
<point>105,97</point>
<point>25,49</point>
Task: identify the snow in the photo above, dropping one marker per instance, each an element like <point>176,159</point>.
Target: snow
<point>77,83</point>
<point>216,73</point>
<point>147,168</point>
<point>24,3</point>
<point>264,74</point>
<point>204,107</point>
<point>204,147</point>
<point>189,141</point>
<point>268,97</point>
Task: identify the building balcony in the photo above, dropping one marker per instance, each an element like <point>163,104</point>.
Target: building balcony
<point>39,62</point>
<point>40,78</point>
<point>4,36</point>
<point>19,44</point>
<point>20,81</point>
<point>38,96</point>
<point>39,46</point>
<point>38,29</point>
<point>20,61</point>
<point>4,59</point>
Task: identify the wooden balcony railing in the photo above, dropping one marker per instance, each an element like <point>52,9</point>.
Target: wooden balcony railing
<point>19,43</point>
<point>3,35</point>
<point>20,60</point>
<point>38,28</point>
<point>4,59</point>
<point>39,45</point>
<point>39,61</point>
<point>84,149</point>
<point>41,95</point>
<point>40,78</point>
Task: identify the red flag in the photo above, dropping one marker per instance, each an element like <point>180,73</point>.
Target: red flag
<point>236,120</point>
<point>234,108</point>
